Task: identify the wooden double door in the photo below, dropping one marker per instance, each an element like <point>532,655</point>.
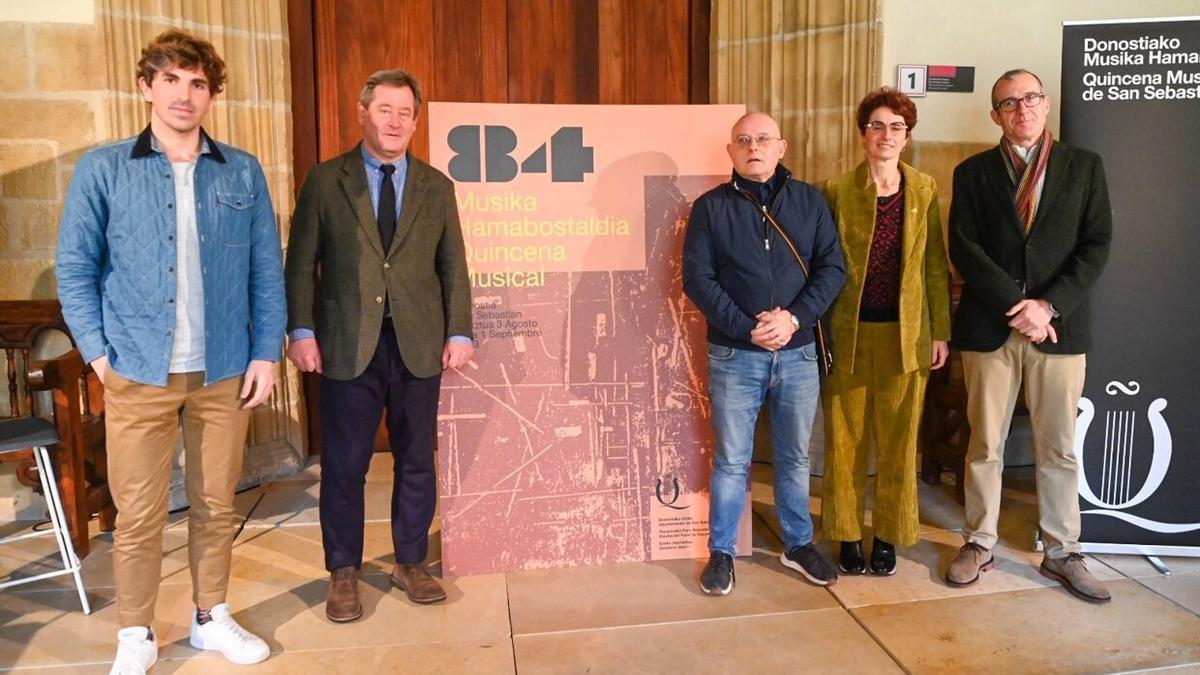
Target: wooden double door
<point>495,51</point>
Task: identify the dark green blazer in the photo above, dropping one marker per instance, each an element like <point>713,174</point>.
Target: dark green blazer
<point>423,275</point>
<point>1059,261</point>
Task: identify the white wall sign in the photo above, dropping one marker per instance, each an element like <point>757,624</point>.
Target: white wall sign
<point>911,80</point>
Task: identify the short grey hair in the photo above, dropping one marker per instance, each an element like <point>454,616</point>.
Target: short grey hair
<point>1010,75</point>
<point>391,77</point>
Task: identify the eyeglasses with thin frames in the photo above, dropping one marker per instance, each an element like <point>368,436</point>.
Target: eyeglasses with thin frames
<point>745,140</point>
<point>1030,100</point>
<point>894,127</point>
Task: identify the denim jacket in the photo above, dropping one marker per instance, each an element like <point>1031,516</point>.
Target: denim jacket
<point>116,260</point>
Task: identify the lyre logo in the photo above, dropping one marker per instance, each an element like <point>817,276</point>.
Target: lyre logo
<point>1117,491</point>
<point>658,493</point>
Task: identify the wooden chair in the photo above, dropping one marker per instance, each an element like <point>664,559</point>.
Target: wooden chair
<point>945,432</point>
<point>77,410</point>
<point>944,428</point>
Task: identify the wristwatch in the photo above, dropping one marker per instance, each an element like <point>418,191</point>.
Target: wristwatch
<point>795,322</point>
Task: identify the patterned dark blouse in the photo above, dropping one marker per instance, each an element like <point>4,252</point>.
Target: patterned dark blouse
<point>881,289</point>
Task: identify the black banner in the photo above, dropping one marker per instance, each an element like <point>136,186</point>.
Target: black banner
<point>1131,92</point>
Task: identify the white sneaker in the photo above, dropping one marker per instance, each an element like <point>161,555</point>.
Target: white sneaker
<point>137,650</point>
<point>225,635</point>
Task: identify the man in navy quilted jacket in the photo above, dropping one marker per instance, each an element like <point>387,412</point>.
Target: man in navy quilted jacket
<point>171,281</point>
<point>762,307</point>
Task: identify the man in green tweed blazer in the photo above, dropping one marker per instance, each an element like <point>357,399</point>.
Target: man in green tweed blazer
<point>391,311</point>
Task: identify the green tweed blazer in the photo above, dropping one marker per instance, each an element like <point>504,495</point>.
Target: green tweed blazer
<point>423,276</point>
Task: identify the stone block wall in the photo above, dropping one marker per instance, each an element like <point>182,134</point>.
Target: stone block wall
<point>68,84</point>
<point>53,106</point>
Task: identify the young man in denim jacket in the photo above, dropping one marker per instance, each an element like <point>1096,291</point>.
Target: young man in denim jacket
<point>171,281</point>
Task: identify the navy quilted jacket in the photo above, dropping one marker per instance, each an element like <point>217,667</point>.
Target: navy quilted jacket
<point>115,260</point>
<point>735,265</point>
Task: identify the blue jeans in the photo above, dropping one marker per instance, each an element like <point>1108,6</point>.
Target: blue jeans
<point>739,380</point>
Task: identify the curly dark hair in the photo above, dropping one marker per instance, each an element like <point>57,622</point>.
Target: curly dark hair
<point>889,98</point>
<point>177,49</point>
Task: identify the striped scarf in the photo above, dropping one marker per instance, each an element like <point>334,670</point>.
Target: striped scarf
<point>1026,176</point>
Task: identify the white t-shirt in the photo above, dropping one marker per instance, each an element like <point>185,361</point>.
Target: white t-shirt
<point>187,349</point>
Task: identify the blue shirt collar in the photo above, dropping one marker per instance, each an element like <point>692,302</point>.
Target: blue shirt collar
<point>374,164</point>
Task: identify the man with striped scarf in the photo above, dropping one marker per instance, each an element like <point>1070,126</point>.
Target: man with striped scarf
<point>1030,227</point>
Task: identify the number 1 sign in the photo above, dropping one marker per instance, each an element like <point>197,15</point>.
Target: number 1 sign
<point>910,80</point>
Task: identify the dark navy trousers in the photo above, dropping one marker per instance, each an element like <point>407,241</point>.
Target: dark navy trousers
<point>350,411</point>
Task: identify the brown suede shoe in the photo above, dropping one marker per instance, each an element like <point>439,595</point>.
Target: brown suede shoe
<point>417,584</point>
<point>971,561</point>
<point>342,604</point>
<point>1073,573</point>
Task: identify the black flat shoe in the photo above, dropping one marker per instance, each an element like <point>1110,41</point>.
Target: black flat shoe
<point>851,559</point>
<point>883,558</point>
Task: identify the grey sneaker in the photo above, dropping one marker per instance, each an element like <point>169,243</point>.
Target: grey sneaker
<point>717,577</point>
<point>1073,574</point>
<point>807,560</point>
<point>971,561</point>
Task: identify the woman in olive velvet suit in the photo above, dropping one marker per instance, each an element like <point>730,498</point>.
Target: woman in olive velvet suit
<point>891,326</point>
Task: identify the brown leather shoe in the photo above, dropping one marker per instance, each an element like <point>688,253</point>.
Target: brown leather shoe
<point>342,604</point>
<point>971,561</point>
<point>1073,573</point>
<point>417,584</point>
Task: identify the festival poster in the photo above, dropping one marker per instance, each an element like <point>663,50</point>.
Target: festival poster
<point>580,432</point>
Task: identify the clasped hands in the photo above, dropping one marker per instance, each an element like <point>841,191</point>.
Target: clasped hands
<point>1032,318</point>
<point>774,329</point>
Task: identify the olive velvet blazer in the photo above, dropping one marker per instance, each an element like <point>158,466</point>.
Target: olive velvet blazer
<point>924,272</point>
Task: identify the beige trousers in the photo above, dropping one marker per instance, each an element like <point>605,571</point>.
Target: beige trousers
<point>1053,385</point>
<point>142,423</point>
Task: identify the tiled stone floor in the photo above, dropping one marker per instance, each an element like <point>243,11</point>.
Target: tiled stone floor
<point>627,618</point>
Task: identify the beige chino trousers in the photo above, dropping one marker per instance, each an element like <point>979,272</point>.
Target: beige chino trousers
<point>142,422</point>
<point>1053,385</point>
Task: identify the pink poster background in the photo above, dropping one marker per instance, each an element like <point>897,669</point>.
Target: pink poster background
<point>580,433</point>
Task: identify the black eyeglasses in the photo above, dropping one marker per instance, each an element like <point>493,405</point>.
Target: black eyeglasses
<point>1010,104</point>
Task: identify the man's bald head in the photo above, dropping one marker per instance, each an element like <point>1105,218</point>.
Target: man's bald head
<point>756,146</point>
<point>755,120</point>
